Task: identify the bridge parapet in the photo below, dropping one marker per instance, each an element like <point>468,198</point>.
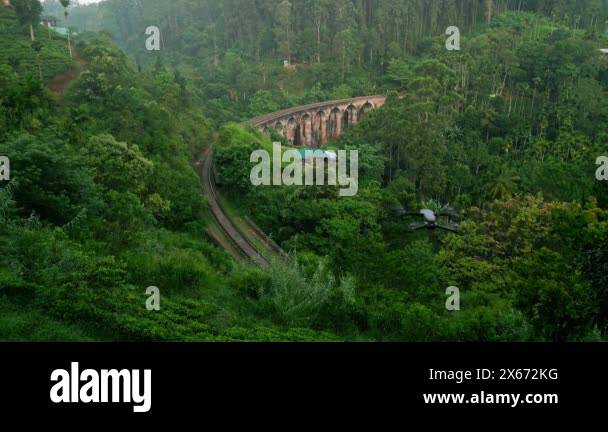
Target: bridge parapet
<point>313,125</point>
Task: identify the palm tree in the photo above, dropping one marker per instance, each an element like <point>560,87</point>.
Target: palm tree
<point>505,184</point>
<point>66,5</point>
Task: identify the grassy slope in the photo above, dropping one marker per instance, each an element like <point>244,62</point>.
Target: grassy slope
<point>15,44</point>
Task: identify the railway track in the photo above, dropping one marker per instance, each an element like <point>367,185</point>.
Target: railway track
<point>247,249</point>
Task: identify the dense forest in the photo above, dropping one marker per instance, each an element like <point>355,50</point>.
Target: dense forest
<point>104,198</point>
<point>369,32</point>
<point>235,48</point>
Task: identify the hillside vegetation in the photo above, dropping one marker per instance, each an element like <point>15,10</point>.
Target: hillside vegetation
<point>104,199</point>
<point>103,202</point>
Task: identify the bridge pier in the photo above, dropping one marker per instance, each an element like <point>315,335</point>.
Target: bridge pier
<point>352,116</point>
<point>306,130</point>
<point>320,130</point>
<point>337,129</point>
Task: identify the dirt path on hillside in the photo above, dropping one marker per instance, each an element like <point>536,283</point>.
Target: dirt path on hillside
<point>59,83</point>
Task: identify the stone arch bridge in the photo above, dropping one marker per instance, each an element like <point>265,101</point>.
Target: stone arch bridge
<point>315,124</point>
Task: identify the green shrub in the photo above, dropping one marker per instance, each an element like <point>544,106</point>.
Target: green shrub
<point>251,283</point>
<point>319,300</point>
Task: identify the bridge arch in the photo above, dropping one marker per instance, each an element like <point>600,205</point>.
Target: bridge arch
<point>291,130</point>
<point>335,123</point>
<point>349,118</point>
<point>365,108</point>
<point>280,128</point>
